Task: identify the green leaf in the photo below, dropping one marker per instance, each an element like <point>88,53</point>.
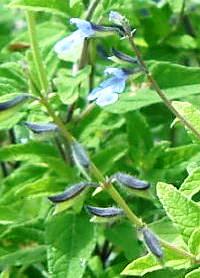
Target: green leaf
<point>185,82</point>
<point>71,240</point>
<point>55,6</point>
<point>149,263</point>
<point>68,91</point>
<point>191,184</point>
<point>124,237</point>
<point>183,212</point>
<point>176,5</point>
<point>189,112</point>
<point>144,97</point>
<point>194,242</point>
<point>139,137</point>
<point>42,187</point>
<point>165,229</point>
<point>24,256</point>
<point>10,115</point>
<point>193,274</point>
<point>27,151</point>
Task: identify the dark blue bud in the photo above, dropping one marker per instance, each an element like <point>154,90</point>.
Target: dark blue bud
<point>152,242</point>
<point>41,128</point>
<point>124,57</point>
<point>79,155</point>
<point>71,192</point>
<point>130,181</point>
<point>104,28</point>
<point>105,212</point>
<point>13,102</point>
<point>144,12</point>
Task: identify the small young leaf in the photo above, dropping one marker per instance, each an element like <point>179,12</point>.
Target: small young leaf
<point>191,184</point>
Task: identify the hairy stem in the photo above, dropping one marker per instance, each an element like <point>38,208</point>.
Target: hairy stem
<point>36,52</point>
<point>156,87</point>
<point>93,169</point>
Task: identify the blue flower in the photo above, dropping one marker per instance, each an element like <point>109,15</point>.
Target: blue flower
<point>70,47</point>
<point>108,91</point>
<point>116,17</point>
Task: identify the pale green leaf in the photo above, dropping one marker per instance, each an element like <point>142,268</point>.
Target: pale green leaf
<point>183,212</point>
<point>189,112</point>
<point>149,263</point>
<point>191,184</point>
<point>56,6</point>
<point>193,274</point>
<point>194,242</point>
<point>176,5</point>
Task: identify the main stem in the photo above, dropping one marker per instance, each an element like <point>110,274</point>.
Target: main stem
<point>36,52</point>
<point>67,135</point>
<point>156,87</point>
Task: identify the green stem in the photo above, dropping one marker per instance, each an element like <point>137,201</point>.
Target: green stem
<point>36,52</point>
<point>156,87</point>
<point>67,135</point>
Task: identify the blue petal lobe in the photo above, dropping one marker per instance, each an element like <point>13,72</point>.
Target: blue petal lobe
<point>84,26</point>
<point>69,43</point>
<point>106,99</point>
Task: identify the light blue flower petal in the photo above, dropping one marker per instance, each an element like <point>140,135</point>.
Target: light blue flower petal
<point>108,82</point>
<point>117,85</point>
<point>69,43</point>
<point>120,73</point>
<point>84,26</point>
<point>94,94</point>
<point>106,99</point>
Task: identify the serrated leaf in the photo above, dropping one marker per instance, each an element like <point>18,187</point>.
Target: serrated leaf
<point>149,263</point>
<point>71,240</point>
<point>191,184</point>
<point>189,112</point>
<point>183,212</point>
<point>193,274</point>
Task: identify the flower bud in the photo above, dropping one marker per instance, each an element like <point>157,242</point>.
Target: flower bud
<point>130,181</point>
<point>105,212</point>
<point>116,18</point>
<point>71,192</point>
<point>13,102</point>
<point>124,57</point>
<point>152,242</point>
<point>41,128</point>
<point>79,155</point>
